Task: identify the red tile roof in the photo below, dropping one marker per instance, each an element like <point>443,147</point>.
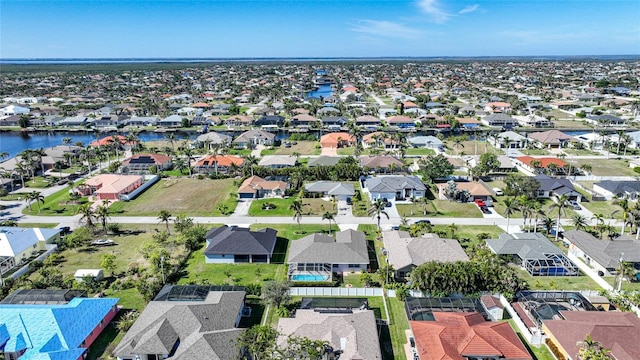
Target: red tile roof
<point>544,161</point>
<point>331,139</point>
<point>109,140</point>
<point>222,160</point>
<point>455,336</point>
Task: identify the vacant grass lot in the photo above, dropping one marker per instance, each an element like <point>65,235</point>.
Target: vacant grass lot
<point>302,148</point>
<point>469,148</point>
<point>608,167</point>
<point>440,208</point>
<point>191,197</point>
<point>311,207</point>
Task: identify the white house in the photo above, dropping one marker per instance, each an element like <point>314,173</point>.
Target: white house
<point>14,110</point>
<point>19,244</point>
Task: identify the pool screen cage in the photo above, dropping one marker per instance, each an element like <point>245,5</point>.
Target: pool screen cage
<point>546,305</point>
<point>551,265</point>
<point>422,308</point>
<point>334,305</point>
<point>192,292</point>
<point>43,296</point>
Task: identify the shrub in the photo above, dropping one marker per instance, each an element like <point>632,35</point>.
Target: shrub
<point>268,206</point>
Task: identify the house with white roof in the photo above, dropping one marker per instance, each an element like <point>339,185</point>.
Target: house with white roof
<point>14,110</point>
<point>19,244</point>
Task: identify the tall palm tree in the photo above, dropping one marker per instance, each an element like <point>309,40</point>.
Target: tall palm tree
<point>3,155</point>
<point>102,214</point>
<point>37,197</point>
<point>561,205</point>
<point>87,216</point>
<point>171,137</point>
<point>626,212</point>
<point>457,143</point>
<point>251,161</point>
<point>296,207</point>
<point>67,141</point>
<point>510,207</point>
<point>188,154</point>
<point>328,215</point>
<point>526,207</point>
<point>165,217</point>
<point>377,209</point>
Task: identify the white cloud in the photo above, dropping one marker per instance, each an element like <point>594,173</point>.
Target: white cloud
<point>468,9</point>
<point>432,8</point>
<point>385,29</point>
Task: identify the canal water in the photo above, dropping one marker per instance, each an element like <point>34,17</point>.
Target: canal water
<point>323,91</point>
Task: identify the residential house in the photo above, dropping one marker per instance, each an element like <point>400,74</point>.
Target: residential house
<point>615,331</point>
<point>75,121</point>
<point>185,323</point>
<point>428,142</point>
<point>323,161</point>
<point>142,121</point>
<point>121,141</point>
<point>534,253</point>
<point>213,140</point>
<point>556,187</point>
<point>508,140</point>
<point>499,119</point>
<point>256,187</point>
<point>110,186</point>
<point>141,164</point>
<point>550,139</point>
<point>534,121</point>
<point>404,252</point>
<point>379,139</point>
<point>18,245</point>
<point>232,244</point>
<point>328,110</point>
<point>381,164</point>
<point>238,120</point>
<point>610,189</point>
<point>605,120</point>
<point>352,335</point>
<point>401,121</point>
<point>339,190</point>
<point>535,165</point>
<point>278,161</point>
<point>368,122</point>
<point>13,120</point>
<point>250,139</point>
<point>395,187</point>
<point>317,256</point>
<point>304,120</point>
<point>497,107</point>
<point>273,120</point>
<point>505,165</point>
<point>337,140</point>
<point>14,110</point>
<point>477,190</point>
<point>603,255</point>
<point>56,155</point>
<point>463,335</point>
<point>333,121</point>
<point>469,123</point>
<point>53,331</point>
<point>109,121</point>
<point>214,164</point>
<point>171,121</point>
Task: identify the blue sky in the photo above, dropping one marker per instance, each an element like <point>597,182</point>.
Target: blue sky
<point>316,28</point>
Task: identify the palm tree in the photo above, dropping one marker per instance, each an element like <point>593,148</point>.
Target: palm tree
<point>592,350</point>
<point>377,209</point>
<point>296,207</point>
<point>579,221</point>
<point>586,168</point>
<point>87,216</point>
<point>526,208</point>
<point>328,216</point>
<point>251,161</point>
<point>171,137</point>
<point>37,197</point>
<point>626,212</point>
<point>165,217</point>
<point>67,141</point>
<point>562,204</point>
<point>188,153</point>
<point>3,155</point>
<point>102,214</point>
<point>510,207</point>
<point>457,143</point>
<point>547,223</point>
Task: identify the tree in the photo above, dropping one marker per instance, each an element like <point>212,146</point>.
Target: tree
<point>258,342</point>
<point>165,217</point>
<point>87,216</point>
<point>108,263</point>
<point>275,293</point>
<point>251,161</point>
<point>593,350</point>
<point>435,167</point>
<point>296,207</point>
<point>510,207</point>
<point>126,322</point>
<point>519,185</point>
<point>171,137</point>
<point>102,214</point>
<point>328,215</point>
<point>37,197</point>
<point>24,121</point>
<point>561,205</point>
<point>488,163</point>
<point>377,209</point>
<point>579,221</point>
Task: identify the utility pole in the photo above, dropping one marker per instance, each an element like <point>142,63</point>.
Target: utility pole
<point>162,267</point>
<point>620,272</point>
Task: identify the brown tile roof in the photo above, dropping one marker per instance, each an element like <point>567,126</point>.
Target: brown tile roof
<point>255,183</point>
<point>383,161</point>
<point>222,160</point>
<point>460,335</point>
<point>617,331</point>
<point>550,137</point>
<point>331,139</point>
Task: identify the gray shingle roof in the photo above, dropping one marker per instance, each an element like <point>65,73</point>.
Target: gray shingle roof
<point>403,250</point>
<point>559,186</point>
<point>248,136</point>
<point>331,188</point>
<point>324,161</point>
<point>619,187</point>
<point>203,328</point>
<point>525,245</point>
<point>394,183</point>
<point>355,334</point>
<point>348,247</point>
<point>240,241</point>
<point>605,252</point>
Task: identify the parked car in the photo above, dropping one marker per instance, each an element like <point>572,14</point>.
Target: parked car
<point>103,242</point>
<point>423,222</point>
<point>498,191</point>
<point>395,227</point>
<point>574,205</point>
<point>480,203</point>
<point>485,210</point>
<point>349,201</point>
<point>64,230</point>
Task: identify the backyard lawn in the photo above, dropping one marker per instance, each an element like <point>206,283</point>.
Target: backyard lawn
<point>302,148</point>
<point>310,207</point>
<point>398,323</point>
<point>419,151</point>
<point>191,197</point>
<point>581,282</point>
<point>608,167</point>
<point>346,150</point>
<point>469,148</point>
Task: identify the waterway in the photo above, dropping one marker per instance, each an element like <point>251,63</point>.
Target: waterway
<point>323,91</point>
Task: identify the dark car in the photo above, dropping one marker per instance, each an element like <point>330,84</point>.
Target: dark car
<point>349,201</point>
<point>388,204</point>
<point>485,210</point>
<point>428,222</point>
<point>64,230</point>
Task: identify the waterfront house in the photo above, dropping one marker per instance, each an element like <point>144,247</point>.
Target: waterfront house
<point>337,140</point>
<point>142,163</point>
<point>381,164</point>
<point>171,121</point>
<point>110,186</point>
<point>214,164</point>
<point>213,140</point>
<point>250,139</point>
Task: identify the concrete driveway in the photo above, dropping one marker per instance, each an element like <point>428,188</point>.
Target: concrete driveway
<point>242,208</point>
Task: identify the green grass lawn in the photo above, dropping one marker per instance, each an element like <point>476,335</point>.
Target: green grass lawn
<point>557,282</point>
<point>290,231</point>
<point>581,152</point>
<point>398,323</point>
<point>302,148</point>
<point>37,225</point>
<point>469,148</point>
<point>240,152</point>
<point>472,232</point>
<point>608,167</point>
<point>534,151</point>
<point>346,151</point>
<point>440,208</point>
<point>311,207</point>
<point>419,151</point>
<point>56,204</point>
<point>13,197</point>
<point>39,182</point>
<point>191,197</point>
<point>626,285</point>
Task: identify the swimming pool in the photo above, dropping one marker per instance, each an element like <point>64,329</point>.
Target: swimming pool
<point>309,277</point>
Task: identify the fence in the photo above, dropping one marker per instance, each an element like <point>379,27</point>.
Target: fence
<point>533,338</point>
<point>23,270</point>
<point>330,291</point>
<point>150,180</point>
<point>593,274</point>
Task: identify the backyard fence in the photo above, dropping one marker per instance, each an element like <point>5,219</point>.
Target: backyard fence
<point>330,291</point>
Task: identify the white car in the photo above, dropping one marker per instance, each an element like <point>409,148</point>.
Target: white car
<point>498,191</point>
